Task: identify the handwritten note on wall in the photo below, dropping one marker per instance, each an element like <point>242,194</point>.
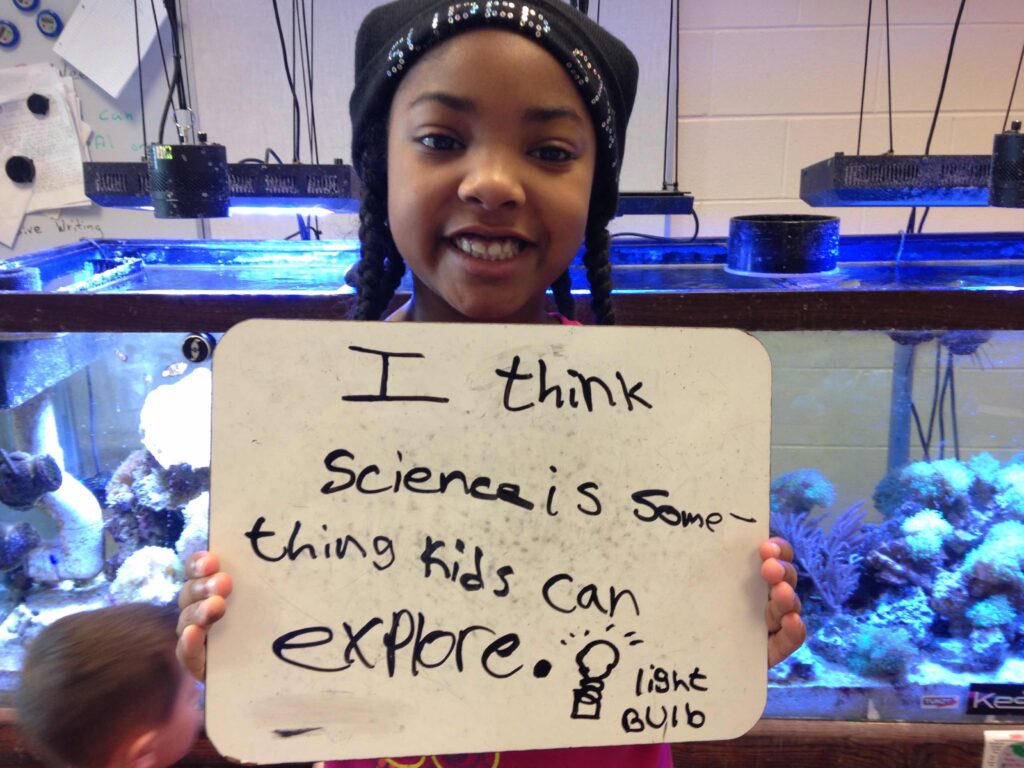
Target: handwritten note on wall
<point>467,538</point>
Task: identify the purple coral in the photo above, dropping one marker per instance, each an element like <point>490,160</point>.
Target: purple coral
<point>24,478</point>
<point>16,541</point>
<point>827,559</point>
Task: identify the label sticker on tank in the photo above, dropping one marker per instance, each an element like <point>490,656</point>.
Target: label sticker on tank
<point>995,699</point>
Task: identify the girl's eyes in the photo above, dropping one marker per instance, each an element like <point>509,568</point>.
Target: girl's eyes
<point>439,142</point>
<point>553,154</point>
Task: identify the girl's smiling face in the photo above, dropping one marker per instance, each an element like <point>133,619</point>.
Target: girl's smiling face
<point>490,166</point>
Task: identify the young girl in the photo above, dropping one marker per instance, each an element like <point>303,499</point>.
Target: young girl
<point>489,139</point>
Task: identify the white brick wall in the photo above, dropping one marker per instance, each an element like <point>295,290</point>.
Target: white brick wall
<point>768,87</point>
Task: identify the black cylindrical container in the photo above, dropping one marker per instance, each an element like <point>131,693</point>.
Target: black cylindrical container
<point>1006,182</point>
<point>782,244</point>
<point>189,181</point>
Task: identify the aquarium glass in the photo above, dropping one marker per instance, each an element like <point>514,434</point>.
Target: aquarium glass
<point>898,474</point>
<point>897,458</point>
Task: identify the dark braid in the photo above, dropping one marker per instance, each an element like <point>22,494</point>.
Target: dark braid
<point>599,273</point>
<point>561,289</point>
<point>380,268</point>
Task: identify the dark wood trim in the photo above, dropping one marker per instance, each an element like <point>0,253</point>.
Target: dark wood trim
<point>751,311</point>
<point>836,744</point>
<point>771,744</point>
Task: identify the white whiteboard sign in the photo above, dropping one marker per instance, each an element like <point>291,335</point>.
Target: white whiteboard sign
<point>467,538</point>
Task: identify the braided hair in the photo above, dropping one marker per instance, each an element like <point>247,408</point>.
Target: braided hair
<point>380,267</point>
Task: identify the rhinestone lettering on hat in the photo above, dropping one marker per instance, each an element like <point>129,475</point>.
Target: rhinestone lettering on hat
<point>512,14</point>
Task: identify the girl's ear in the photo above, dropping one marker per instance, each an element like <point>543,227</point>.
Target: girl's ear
<point>141,752</point>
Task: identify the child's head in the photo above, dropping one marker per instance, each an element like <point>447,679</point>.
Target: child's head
<point>489,138</point>
<point>103,688</point>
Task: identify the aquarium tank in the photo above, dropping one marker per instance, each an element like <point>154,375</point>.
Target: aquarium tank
<point>897,439</point>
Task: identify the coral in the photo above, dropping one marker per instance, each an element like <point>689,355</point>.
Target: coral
<point>943,485</point>
<point>950,599</point>
<point>996,611</point>
<point>882,652</point>
<point>909,611</point>
<point>988,648</point>
<point>986,468</point>
<point>25,478</point>
<point>145,503</point>
<point>16,541</point>
<point>195,536</point>
<point>175,420</point>
<point>830,558</point>
<point>1009,485</point>
<point>998,564</point>
<point>926,532</point>
<point>889,494</point>
<point>801,491</point>
<point>151,575</point>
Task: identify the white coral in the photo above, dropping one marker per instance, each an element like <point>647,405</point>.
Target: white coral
<point>149,575</point>
<point>196,533</point>
<point>175,421</point>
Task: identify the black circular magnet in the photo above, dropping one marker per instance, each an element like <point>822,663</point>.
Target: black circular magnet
<point>38,104</point>
<point>26,5</point>
<point>49,23</point>
<point>9,34</point>
<point>20,169</point>
<point>198,347</point>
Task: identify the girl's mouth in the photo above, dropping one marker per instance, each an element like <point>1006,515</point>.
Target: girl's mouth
<point>488,249</point>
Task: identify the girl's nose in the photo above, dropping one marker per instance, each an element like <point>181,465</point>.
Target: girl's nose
<point>492,183</point>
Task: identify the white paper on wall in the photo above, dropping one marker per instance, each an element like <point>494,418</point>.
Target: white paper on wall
<point>475,538</point>
<point>99,40</point>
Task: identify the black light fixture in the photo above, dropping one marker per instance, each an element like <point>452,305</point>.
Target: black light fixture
<point>1006,182</point>
<point>189,181</point>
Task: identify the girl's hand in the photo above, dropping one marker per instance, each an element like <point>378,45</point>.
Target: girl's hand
<point>786,630</point>
<point>202,604</point>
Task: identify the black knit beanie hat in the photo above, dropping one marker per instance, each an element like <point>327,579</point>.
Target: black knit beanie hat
<point>394,36</point>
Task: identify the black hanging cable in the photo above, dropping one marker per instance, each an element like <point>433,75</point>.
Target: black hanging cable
<point>945,77</point>
<point>696,225</point>
<point>92,419</point>
<point>1013,91</point>
<point>312,222</point>
<point>299,49</point>
<point>309,38</point>
<point>177,81</point>
<point>913,408</point>
<point>888,74</point>
<point>167,76</point>
<point>864,78</point>
<point>666,185</point>
<point>298,63</point>
<point>952,408</point>
<point>296,126</point>
<point>942,92</point>
<point>138,59</point>
<point>184,63</point>
<point>160,43</point>
<point>935,401</point>
<point>942,406</point>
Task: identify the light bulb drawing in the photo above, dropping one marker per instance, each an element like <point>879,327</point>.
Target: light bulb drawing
<point>596,661</point>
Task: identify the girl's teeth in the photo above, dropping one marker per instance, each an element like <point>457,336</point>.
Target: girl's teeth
<point>489,250</point>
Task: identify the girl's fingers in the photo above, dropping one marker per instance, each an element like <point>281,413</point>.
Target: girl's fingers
<point>791,635</point>
<point>191,650</point>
